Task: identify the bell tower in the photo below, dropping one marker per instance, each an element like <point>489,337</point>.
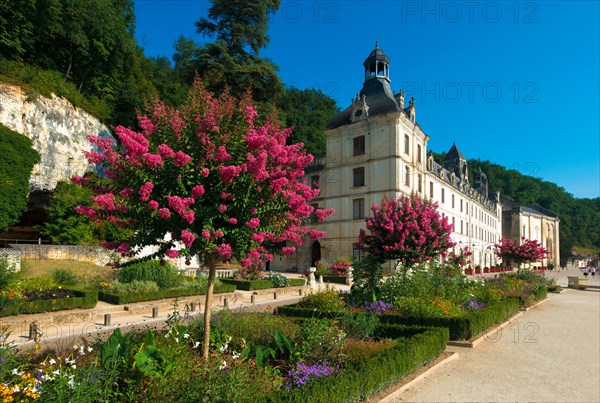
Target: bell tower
<point>377,65</point>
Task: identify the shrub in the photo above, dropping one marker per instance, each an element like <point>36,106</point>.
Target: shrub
<point>37,283</point>
<point>328,299</point>
<point>6,270</point>
<point>277,279</point>
<point>340,267</point>
<point>164,275</point>
<point>360,325</point>
<point>436,307</point>
<point>320,339</point>
<point>64,277</point>
<point>134,287</point>
<point>322,269</point>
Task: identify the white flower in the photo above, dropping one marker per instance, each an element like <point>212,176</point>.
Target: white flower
<point>224,365</point>
<point>17,372</point>
<point>52,361</point>
<point>176,339</point>
<point>235,355</point>
<point>74,366</point>
<point>46,377</point>
<point>167,336</point>
<point>17,389</point>
<point>90,349</point>
<point>57,372</point>
<point>196,344</point>
<point>185,336</point>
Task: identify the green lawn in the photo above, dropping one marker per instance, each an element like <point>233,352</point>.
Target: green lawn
<point>83,271</point>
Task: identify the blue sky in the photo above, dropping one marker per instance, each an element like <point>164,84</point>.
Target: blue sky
<point>516,83</point>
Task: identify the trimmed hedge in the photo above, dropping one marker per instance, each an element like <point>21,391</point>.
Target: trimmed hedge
<point>360,380</point>
<point>83,299</point>
<point>251,285</point>
<point>120,299</point>
<point>461,328</point>
<point>335,279</point>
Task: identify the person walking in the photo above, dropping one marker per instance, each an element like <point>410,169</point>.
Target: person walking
<point>585,271</point>
<point>593,270</point>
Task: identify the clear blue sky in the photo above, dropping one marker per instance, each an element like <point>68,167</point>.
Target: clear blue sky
<point>516,83</point>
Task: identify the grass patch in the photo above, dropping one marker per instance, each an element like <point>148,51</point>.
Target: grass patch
<point>84,272</point>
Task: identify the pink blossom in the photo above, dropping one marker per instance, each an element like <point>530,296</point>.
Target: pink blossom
<point>224,250</point>
<point>165,151</point>
<point>187,238</point>
<point>126,192</point>
<point>105,201</point>
<point>218,234</point>
<point>228,173</point>
<point>146,191</point>
<point>147,125</point>
<point>153,205</point>
<point>85,210</point>
<point>181,159</point>
<point>164,213</point>
<point>222,208</point>
<point>314,234</point>
<point>222,154</point>
<point>153,160</point>
<point>232,220</point>
<point>288,250</point>
<point>172,253</point>
<point>124,249</point>
<point>321,215</point>
<point>188,216</point>
<point>258,237</point>
<point>205,234</point>
<point>198,191</point>
<point>176,203</point>
<point>205,172</point>
<point>253,223</point>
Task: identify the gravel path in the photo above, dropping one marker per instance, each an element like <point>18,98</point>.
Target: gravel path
<point>549,354</point>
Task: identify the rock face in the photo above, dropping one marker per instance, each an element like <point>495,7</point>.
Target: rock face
<point>57,130</point>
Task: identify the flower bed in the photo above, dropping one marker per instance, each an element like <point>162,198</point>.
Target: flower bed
<point>460,328</point>
<point>251,285</point>
<point>73,298</point>
<point>120,299</point>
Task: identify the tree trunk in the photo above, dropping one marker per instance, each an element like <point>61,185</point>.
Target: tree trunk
<point>212,268</point>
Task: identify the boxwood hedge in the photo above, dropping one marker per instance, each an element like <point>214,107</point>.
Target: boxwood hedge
<point>83,299</point>
<point>120,299</point>
<point>251,285</point>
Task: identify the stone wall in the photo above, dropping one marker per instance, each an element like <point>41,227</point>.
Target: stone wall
<point>57,130</point>
<point>90,254</point>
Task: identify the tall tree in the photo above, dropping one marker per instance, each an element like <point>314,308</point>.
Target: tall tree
<point>206,176</point>
<point>308,112</point>
<point>17,159</point>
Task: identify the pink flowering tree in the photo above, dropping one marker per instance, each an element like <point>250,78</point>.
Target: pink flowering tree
<point>208,177</point>
<point>408,229</point>
<point>528,251</point>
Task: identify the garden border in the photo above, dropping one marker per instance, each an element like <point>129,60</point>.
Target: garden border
<point>475,341</point>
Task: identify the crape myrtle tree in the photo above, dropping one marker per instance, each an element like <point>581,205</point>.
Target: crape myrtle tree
<point>204,176</point>
<point>527,252</point>
<point>408,230</point>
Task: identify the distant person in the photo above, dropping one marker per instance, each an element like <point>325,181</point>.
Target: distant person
<point>585,271</point>
<point>593,270</point>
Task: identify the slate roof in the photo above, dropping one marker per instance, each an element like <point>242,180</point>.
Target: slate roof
<point>454,154</point>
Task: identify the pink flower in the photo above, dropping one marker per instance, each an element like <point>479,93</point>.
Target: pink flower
<point>218,234</point>
<point>258,237</point>
<point>187,238</point>
<point>153,160</point>
<point>188,216</point>
<point>164,213</point>
<point>105,201</point>
<point>146,191</point>
<point>222,208</point>
<point>321,215</point>
<point>228,173</point>
<point>224,250</point>
<point>124,249</point>
<point>165,151</point>
<point>205,234</point>
<point>232,220</point>
<point>222,154</point>
<point>253,223</point>
<point>181,159</point>
<point>85,210</point>
<point>126,193</point>
<point>288,250</point>
<point>172,253</point>
<point>198,191</point>
<point>176,203</point>
<point>205,172</point>
<point>153,205</point>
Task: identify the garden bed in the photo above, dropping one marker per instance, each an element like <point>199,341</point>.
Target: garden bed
<point>460,328</point>
<point>251,285</point>
<point>75,298</point>
<point>335,279</point>
<point>120,299</point>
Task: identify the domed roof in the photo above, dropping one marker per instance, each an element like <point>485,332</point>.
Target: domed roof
<point>376,54</point>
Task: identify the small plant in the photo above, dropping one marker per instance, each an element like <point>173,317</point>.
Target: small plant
<point>473,305</point>
<point>278,280</point>
<point>305,373</point>
<point>328,299</point>
<point>340,267</point>
<point>322,268</point>
<point>6,270</point>
<point>359,325</point>
<point>133,287</point>
<point>321,339</point>
<point>64,277</point>
<point>377,307</point>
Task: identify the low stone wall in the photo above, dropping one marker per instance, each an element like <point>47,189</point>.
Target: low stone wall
<point>91,254</point>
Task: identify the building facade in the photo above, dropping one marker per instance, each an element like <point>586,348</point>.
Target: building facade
<point>375,148</point>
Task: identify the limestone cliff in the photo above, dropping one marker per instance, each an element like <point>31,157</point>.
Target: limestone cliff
<point>57,130</point>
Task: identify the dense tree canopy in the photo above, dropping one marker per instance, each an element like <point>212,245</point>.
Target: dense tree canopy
<point>17,159</point>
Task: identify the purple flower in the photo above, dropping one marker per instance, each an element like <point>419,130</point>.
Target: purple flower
<point>305,373</point>
<point>377,307</point>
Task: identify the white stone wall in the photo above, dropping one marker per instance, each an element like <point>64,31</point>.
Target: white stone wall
<point>57,130</point>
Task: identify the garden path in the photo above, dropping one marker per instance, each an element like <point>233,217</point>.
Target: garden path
<point>549,354</point>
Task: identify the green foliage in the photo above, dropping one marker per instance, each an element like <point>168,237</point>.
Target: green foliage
<point>64,277</point>
<point>359,325</point>
<point>320,339</point>
<point>121,299</point>
<point>65,226</point>
<point>83,299</point>
<point>150,360</point>
<point>327,299</point>
<point>116,351</point>
<point>37,283</point>
<point>262,284</point>
<point>308,112</point>
<point>133,287</point>
<point>163,274</point>
<point>17,159</point>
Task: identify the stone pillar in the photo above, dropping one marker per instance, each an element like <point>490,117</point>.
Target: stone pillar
<point>349,278</point>
<point>311,278</point>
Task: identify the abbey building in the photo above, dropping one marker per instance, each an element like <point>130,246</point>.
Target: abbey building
<point>376,149</point>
